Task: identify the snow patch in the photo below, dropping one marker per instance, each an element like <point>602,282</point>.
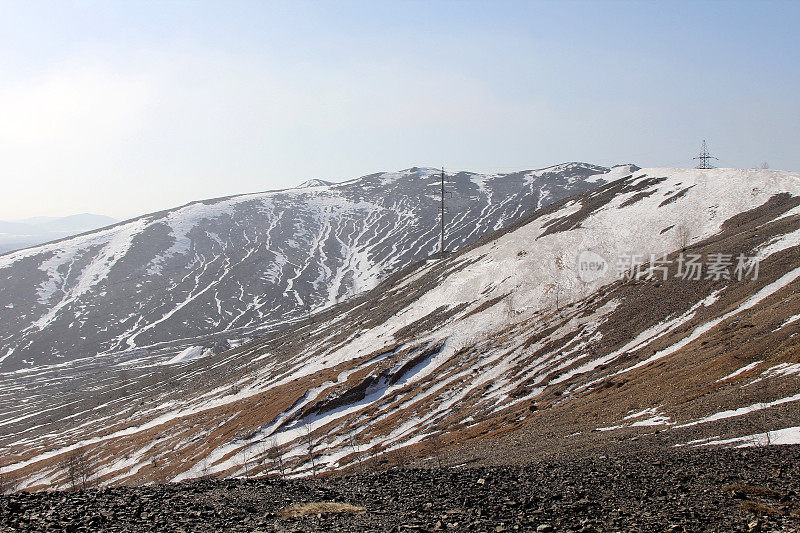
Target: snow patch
<point>778,437</point>
<point>778,244</point>
<point>192,352</point>
<point>742,370</point>
<point>742,411</point>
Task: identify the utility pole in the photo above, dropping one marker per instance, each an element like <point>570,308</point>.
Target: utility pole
<point>705,158</point>
<point>441,236</point>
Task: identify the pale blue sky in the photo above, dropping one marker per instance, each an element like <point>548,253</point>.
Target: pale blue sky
<point>123,108</point>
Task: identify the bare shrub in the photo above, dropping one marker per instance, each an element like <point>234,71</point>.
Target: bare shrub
<point>5,483</point>
<point>246,461</point>
<point>311,448</point>
<point>352,443</point>
<point>373,453</point>
<point>554,290</point>
<point>78,469</point>
<point>437,446</point>
<point>762,423</point>
<point>762,418</point>
<point>683,236</point>
<point>275,456</point>
<point>400,458</point>
<point>204,468</point>
<point>160,473</point>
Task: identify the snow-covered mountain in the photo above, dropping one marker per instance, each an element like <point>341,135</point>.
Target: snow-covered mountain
<point>220,268</point>
<point>528,333</point>
<point>314,183</point>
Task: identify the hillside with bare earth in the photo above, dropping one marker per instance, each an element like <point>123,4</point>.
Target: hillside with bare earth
<point>657,312</point>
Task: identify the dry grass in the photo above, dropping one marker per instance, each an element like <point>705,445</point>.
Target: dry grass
<point>312,508</point>
<point>752,490</point>
<point>742,490</point>
<point>760,509</point>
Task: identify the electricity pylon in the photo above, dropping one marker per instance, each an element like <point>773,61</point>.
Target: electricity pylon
<point>705,158</point>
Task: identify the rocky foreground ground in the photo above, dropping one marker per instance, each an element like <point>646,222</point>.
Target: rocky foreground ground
<point>649,490</point>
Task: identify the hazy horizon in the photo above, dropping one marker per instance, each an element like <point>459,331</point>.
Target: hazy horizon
<point>125,108</point>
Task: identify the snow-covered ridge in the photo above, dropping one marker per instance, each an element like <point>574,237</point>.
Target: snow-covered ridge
<point>314,183</point>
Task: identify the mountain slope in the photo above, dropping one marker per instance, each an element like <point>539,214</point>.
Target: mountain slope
<point>499,348</point>
<point>217,269</point>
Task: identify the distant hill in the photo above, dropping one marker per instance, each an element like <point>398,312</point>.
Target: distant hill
<point>72,223</point>
<point>27,232</point>
<point>314,183</point>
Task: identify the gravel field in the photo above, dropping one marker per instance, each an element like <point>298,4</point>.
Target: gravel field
<point>645,490</point>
